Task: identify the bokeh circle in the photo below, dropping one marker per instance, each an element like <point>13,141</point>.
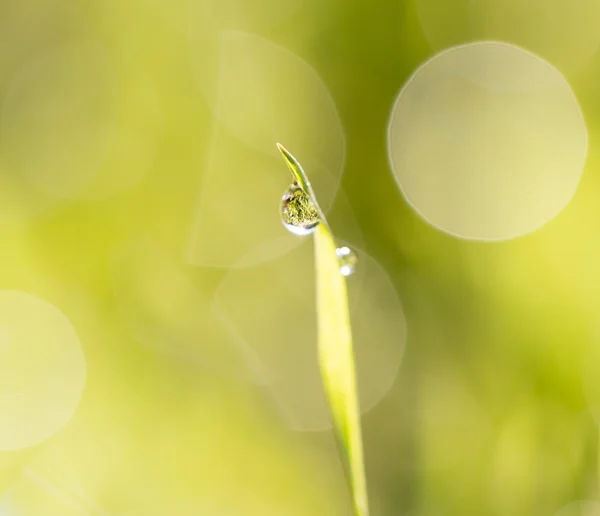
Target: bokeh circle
<point>487,141</point>
<point>42,370</point>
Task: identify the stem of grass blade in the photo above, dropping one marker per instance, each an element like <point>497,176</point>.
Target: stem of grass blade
<point>336,356</point>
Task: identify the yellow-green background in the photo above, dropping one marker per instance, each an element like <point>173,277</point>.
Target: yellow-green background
<point>493,408</point>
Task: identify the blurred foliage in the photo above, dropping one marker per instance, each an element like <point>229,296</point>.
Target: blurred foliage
<point>126,130</point>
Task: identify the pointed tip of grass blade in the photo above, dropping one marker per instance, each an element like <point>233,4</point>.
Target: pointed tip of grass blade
<point>295,168</point>
<point>301,178</point>
<point>285,153</point>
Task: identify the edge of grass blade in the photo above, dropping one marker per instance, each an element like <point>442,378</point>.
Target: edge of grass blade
<point>336,359</point>
<point>336,356</point>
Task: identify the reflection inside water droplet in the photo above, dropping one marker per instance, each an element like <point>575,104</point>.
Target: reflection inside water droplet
<point>298,213</point>
<point>347,258</point>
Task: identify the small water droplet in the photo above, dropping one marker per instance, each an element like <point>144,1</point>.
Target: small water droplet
<point>348,260</point>
<point>298,213</point>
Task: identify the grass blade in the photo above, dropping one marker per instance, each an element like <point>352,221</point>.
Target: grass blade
<point>299,175</point>
<point>301,178</point>
<point>336,356</point>
<point>336,359</point>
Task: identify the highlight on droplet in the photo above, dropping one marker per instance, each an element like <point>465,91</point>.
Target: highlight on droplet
<point>348,260</point>
<point>42,370</point>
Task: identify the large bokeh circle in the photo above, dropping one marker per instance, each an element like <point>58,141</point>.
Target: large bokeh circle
<point>487,141</point>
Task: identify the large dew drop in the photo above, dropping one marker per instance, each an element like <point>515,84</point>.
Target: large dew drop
<point>347,258</point>
<point>298,213</point>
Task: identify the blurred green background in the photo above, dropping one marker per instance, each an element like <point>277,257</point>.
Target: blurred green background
<point>139,196</point>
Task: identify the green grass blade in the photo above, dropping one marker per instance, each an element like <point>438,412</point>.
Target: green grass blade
<point>296,170</point>
<point>336,358</point>
<point>301,178</point>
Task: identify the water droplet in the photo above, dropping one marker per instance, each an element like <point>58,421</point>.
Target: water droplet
<point>348,260</point>
<point>298,213</point>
